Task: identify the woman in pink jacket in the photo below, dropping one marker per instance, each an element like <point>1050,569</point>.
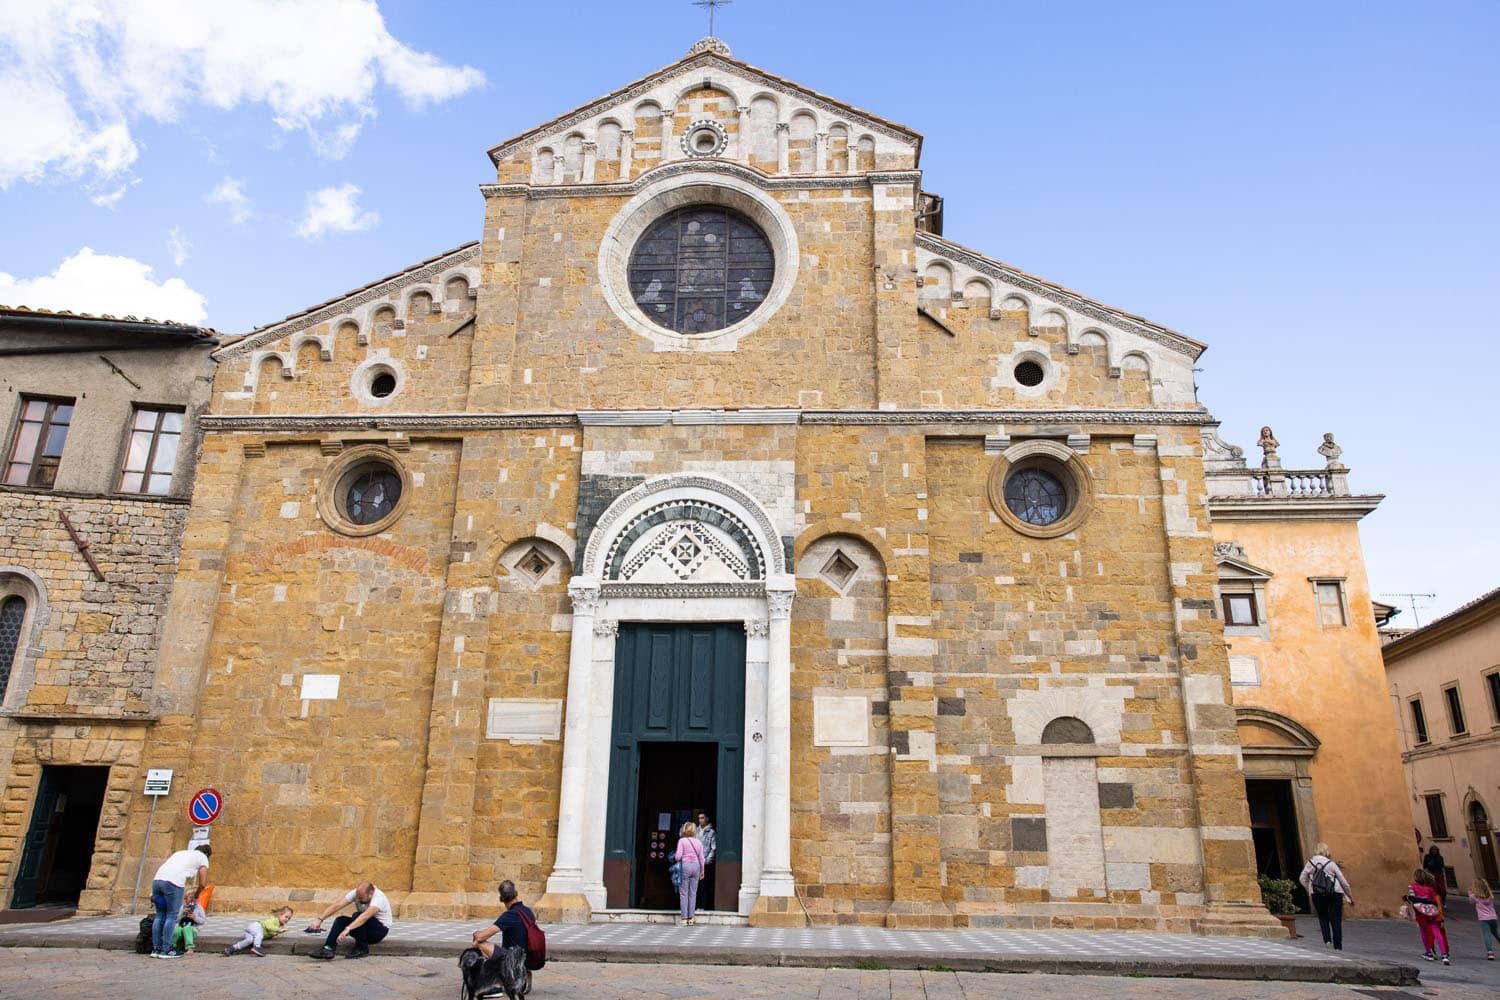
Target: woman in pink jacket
<point>690,855</point>
<point>1423,897</point>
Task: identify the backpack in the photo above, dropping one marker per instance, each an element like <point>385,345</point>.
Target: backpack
<point>536,942</point>
<point>1322,882</point>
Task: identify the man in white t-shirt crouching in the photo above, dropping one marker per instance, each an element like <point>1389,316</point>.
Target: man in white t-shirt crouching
<point>370,924</point>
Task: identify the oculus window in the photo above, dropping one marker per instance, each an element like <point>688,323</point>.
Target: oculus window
<point>1036,496</point>
<point>370,493</point>
<point>701,269</point>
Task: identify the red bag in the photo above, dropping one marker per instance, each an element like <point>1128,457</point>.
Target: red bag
<point>536,942</point>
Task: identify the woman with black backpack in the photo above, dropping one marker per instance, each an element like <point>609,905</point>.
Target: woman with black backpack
<point>1328,889</point>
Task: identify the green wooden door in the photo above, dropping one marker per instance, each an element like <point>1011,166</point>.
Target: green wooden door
<point>674,684</point>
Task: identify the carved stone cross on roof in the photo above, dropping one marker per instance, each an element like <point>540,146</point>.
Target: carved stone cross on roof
<point>712,6</point>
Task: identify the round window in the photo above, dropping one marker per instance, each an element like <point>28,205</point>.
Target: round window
<point>1040,488</point>
<point>371,493</point>
<point>364,492</point>
<point>382,385</point>
<point>1036,496</point>
<point>701,269</point>
<point>1029,373</point>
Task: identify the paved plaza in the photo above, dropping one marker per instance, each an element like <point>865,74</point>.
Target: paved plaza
<point>68,974</point>
<point>1014,951</point>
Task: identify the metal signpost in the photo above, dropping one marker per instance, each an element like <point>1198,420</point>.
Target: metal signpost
<point>158,783</point>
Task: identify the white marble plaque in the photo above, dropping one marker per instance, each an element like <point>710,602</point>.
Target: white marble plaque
<point>841,721</point>
<point>524,719</point>
<point>320,687</point>
<point>1244,670</point>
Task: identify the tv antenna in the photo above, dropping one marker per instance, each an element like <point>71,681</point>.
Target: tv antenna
<point>1412,598</point>
<point>711,5</point>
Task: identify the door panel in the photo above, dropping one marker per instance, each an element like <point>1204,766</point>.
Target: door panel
<point>680,684</point>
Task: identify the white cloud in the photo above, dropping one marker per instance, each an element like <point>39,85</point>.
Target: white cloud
<point>334,210</point>
<point>98,283</point>
<point>178,245</point>
<point>79,73</point>
<point>109,199</point>
<point>231,192</point>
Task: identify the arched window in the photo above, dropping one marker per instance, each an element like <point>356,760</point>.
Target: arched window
<point>12,615</point>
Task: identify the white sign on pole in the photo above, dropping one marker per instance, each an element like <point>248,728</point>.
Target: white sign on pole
<point>158,780</point>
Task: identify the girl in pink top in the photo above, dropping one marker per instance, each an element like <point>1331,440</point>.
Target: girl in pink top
<point>690,855</point>
<point>1428,908</point>
<point>1483,899</point>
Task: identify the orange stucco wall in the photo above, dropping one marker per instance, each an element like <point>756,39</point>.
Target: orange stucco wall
<point>1332,681</point>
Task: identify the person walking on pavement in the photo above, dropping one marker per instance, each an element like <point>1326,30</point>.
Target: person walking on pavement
<point>1437,867</point>
<point>689,854</point>
<point>1427,907</point>
<point>370,924</point>
<point>1483,898</point>
<point>167,890</point>
<point>710,841</point>
<point>1326,886</point>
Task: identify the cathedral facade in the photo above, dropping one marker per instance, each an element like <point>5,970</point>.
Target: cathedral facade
<point>712,478</point>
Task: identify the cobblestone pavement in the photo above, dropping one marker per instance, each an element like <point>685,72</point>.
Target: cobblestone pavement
<point>71,974</point>
<point>1397,941</point>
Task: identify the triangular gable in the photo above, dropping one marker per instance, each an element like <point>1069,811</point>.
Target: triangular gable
<point>1229,556</point>
<point>1009,277</point>
<point>462,259</point>
<point>700,58</point>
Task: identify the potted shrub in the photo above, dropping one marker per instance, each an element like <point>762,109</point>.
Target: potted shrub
<point>1276,893</point>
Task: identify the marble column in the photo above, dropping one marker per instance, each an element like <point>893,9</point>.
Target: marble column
<point>820,141</point>
<point>564,898</point>
<point>776,871</point>
<point>783,148</point>
<point>743,138</point>
<point>590,158</point>
<point>668,151</point>
<point>627,153</point>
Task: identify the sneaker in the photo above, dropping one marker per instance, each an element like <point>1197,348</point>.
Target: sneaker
<point>1445,960</point>
<point>169,954</point>
<point>324,953</point>
<point>257,952</point>
<point>1490,955</point>
<point>229,949</point>
<point>490,994</point>
<point>359,951</point>
<point>1429,956</point>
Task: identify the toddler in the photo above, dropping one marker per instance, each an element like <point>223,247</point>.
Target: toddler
<point>185,937</point>
<point>1483,899</point>
<point>257,932</point>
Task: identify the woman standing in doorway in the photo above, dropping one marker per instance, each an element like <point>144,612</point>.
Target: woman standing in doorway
<point>690,855</point>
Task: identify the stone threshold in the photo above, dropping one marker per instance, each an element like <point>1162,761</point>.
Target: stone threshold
<point>722,918</point>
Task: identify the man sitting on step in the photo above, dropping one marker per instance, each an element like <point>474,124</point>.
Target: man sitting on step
<point>370,924</point>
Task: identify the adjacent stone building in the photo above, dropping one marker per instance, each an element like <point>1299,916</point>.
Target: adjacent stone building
<point>712,477</point>
<point>1321,764</point>
<point>100,435</point>
<point>1445,687</point>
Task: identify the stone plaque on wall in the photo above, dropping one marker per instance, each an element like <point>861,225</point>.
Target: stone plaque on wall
<point>524,719</point>
<point>1244,670</point>
<point>841,722</point>
<point>320,687</point>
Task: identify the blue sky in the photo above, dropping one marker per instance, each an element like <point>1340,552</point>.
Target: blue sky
<point>1309,188</point>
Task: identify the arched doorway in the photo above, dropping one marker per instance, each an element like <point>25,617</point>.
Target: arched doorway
<point>1278,754</point>
<point>679,687</point>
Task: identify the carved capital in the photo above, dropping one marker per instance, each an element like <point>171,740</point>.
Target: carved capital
<point>757,629</point>
<point>783,126</point>
<point>606,627</point>
<point>779,603</point>
<point>585,595</point>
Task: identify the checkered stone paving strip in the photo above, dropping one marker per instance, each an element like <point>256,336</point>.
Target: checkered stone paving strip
<point>1131,953</point>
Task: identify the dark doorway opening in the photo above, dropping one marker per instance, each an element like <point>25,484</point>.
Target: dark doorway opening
<point>1483,839</point>
<point>59,846</point>
<point>678,781</point>
<point>1273,826</point>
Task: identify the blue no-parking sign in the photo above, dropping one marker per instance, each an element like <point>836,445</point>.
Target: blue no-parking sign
<point>204,808</point>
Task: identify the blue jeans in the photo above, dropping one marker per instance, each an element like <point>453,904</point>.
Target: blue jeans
<point>167,898</point>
